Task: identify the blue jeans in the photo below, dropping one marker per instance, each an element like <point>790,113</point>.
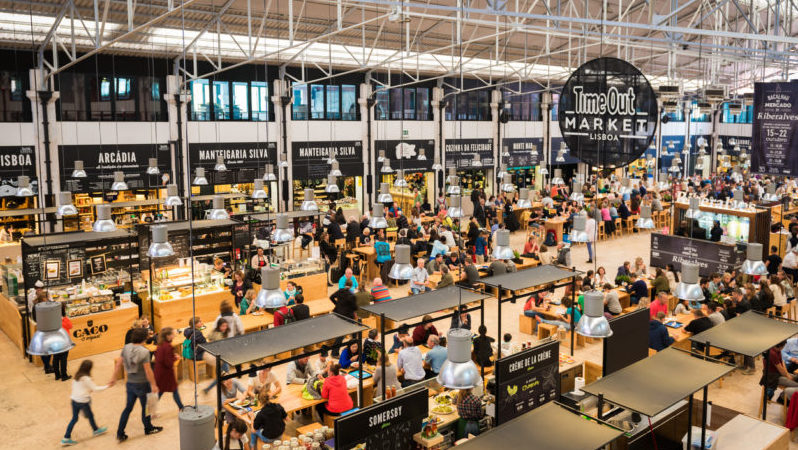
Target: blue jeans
<point>590,251</point>
<point>256,434</point>
<point>419,289</point>
<point>532,314</point>
<point>135,391</point>
<point>558,323</point>
<point>76,409</point>
<point>176,396</point>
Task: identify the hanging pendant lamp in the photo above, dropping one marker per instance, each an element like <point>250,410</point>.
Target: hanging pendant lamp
<point>119,183</point>
<point>104,222</point>
<point>523,198</point>
<point>645,221</point>
<point>331,157</point>
<point>160,246</point>
<point>386,166</point>
<point>335,170</point>
<point>753,264</point>
<point>50,337</point>
<point>506,151</point>
<point>283,161</point>
<point>455,210</point>
<point>458,371</point>
<point>422,154</point>
<point>476,161</point>
<point>385,196</point>
<point>593,323</point>
<point>78,171</point>
<point>309,204</point>
<point>452,177</point>
<point>454,186</point>
<point>258,193</point>
<point>560,157</point>
<point>381,156</point>
<point>220,166</point>
<point>269,175</point>
<point>402,269</point>
<point>557,179</point>
<point>576,194</point>
<point>534,150</point>
<point>503,249</point>
<point>694,208</point>
<point>270,295</point>
<point>578,233</point>
<point>217,212</point>
<point>152,168</point>
<point>377,220</point>
<point>284,233</point>
<point>65,206</point>
<point>688,287</point>
<point>400,181</point>
<point>172,199</point>
<point>199,177</point>
<point>23,187</point>
<point>332,185</point>
<point>507,185</point>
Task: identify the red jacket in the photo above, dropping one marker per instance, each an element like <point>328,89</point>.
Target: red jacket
<point>792,413</point>
<point>279,316</point>
<point>66,324</point>
<point>337,395</point>
<point>164,367</point>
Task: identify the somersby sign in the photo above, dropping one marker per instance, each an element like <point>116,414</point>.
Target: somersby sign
<point>607,113</point>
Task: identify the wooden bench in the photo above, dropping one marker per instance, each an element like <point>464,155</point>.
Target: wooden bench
<point>580,340</point>
<point>526,324</point>
<point>545,330</point>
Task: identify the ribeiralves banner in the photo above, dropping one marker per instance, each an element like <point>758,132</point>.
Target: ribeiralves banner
<point>775,137</point>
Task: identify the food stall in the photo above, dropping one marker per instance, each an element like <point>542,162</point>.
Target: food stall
<point>749,224</point>
<point>167,285</point>
<point>90,274</point>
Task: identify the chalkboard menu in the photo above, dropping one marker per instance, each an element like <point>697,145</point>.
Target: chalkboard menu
<point>50,265</point>
<point>711,257</point>
<point>521,151</point>
<point>389,425</point>
<point>775,135</point>
<point>241,235</point>
<point>527,380</point>
<point>180,244</point>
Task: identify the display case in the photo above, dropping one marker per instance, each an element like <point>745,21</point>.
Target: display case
<point>178,283</point>
<point>750,224</point>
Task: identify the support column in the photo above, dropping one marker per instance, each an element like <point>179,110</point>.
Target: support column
<point>495,101</point>
<point>44,118</point>
<point>437,118</point>
<point>177,100</point>
<point>370,181</point>
<point>281,100</point>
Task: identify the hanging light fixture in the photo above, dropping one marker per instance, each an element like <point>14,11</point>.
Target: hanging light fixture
<point>452,177</point>
<point>675,165</point>
<point>283,161</point>
<point>258,193</point>
<point>268,174</point>
<point>270,295</point>
<point>557,179</point>
<point>563,147</point>
<point>78,171</point>
<point>753,264</point>
<point>217,212</point>
<point>331,157</point>
<point>400,181</point>
<point>402,269</point>
<point>593,323</point>
<point>544,171</point>
<point>688,287</point>
<point>533,150</point>
<point>152,168</point>
<point>50,337</point>
<point>732,141</point>
<point>104,223</point>
<point>436,165</point>
<point>458,371</point>
<point>576,194</point>
<point>507,184</point>
<point>626,188</point>
<point>578,233</point>
<point>386,166</point>
<point>737,200</point>
<point>476,161</point>
<point>502,172</point>
<point>694,208</point>
<point>160,246</point>
<point>523,198</point>
<point>332,185</point>
<point>502,249</point>
<point>309,204</point>
<point>650,161</point>
<point>770,194</point>
<point>663,184</point>
<point>219,166</point>
<point>119,182</point>
<point>335,170</point>
<point>506,151</point>
<point>284,233</point>
<point>676,159</point>
<point>645,221</point>
<point>23,187</point>
<point>560,157</point>
<point>65,206</point>
<point>377,220</point>
<point>199,177</point>
<point>454,186</point>
<point>381,156</point>
<point>172,198</point>
<point>455,210</point>
<point>422,156</point>
<point>385,196</point>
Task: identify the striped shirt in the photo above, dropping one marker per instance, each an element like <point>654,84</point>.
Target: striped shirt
<point>380,293</point>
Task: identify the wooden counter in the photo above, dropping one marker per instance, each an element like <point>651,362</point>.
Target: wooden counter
<point>176,313</point>
<point>101,332</point>
<point>314,286</point>
<point>11,321</point>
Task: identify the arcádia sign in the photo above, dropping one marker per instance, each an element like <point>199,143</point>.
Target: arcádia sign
<point>607,113</point>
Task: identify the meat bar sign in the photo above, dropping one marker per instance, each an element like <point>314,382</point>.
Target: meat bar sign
<point>608,113</point>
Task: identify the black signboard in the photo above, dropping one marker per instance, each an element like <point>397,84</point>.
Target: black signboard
<point>404,154</point>
<point>568,157</point>
<point>245,161</point>
<point>180,244</point>
<point>711,257</point>
<point>527,380</point>
<point>50,265</point>
<point>309,159</point>
<point>101,161</point>
<point>743,141</point>
<point>387,425</point>
<point>460,152</point>
<point>16,161</point>
<point>607,113</point>
<point>775,136</point>
<point>521,151</point>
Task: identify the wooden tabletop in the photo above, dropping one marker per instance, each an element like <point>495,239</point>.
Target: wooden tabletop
<point>368,250</point>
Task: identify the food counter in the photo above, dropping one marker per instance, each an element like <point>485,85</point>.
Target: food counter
<point>11,320</point>
<point>309,274</point>
<point>748,225</point>
<point>101,332</point>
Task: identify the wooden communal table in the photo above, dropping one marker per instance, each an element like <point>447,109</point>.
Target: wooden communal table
<point>555,224</point>
<point>368,252</point>
<point>681,338</point>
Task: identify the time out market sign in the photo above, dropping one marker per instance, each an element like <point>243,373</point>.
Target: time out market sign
<point>607,113</point>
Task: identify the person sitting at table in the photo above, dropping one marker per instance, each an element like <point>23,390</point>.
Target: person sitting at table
<point>258,260</point>
<point>348,276</point>
<point>564,319</point>
<point>625,270</point>
<point>436,356</point>
<point>438,247</point>
<point>306,232</point>
<point>291,291</point>
<point>446,278</point>
<point>379,291</point>
<point>227,314</point>
<point>483,347</point>
<point>371,347</point>
<point>448,237</point>
<point>269,422</point>
<point>435,264</point>
<point>334,230</point>
<point>777,374</point>
<point>713,312</point>
<point>239,287</point>
<point>699,324</point>
<point>659,305</point>
<point>455,260</point>
<point>419,279</point>
<point>365,237</point>
<point>264,380</point>
<point>637,289</point>
<point>658,337</point>
<point>353,231</point>
<point>410,363</point>
<point>301,311</point>
<point>531,247</point>
<point>398,338</point>
<point>283,315</point>
<point>612,302</point>
<point>328,250</point>
<point>661,283</point>
<point>497,267</point>
<point>350,356</point>
<point>461,320</point>
<point>234,437</point>
<point>247,304</point>
<point>298,371</point>
<point>231,389</point>
<point>336,393</point>
<point>423,331</point>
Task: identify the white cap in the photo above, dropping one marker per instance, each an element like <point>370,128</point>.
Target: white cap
<point>39,284</point>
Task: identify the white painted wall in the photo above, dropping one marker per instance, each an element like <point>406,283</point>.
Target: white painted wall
<point>232,132</point>
<point>17,133</point>
<point>324,130</point>
<point>735,129</point>
<point>523,129</point>
<point>104,133</point>
<point>469,130</point>
<point>392,129</point>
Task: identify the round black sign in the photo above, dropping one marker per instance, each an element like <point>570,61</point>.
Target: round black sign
<point>608,113</point>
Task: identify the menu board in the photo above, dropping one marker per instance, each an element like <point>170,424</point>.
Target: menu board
<point>309,159</point>
<point>389,425</point>
<point>404,154</point>
<point>180,244</point>
<point>775,129</point>
<point>527,380</point>
<point>521,151</point>
<point>101,161</point>
<point>711,257</point>
<point>50,265</point>
<point>460,152</point>
<point>245,161</point>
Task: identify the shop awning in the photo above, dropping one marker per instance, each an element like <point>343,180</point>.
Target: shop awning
<point>525,279</point>
<point>427,303</point>
<point>656,383</point>
<point>749,334</point>
<point>253,346</point>
<point>550,427</point>
<point>84,237</point>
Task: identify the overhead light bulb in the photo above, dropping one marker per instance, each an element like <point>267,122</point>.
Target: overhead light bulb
<point>578,233</point>
<point>507,185</point>
<point>593,323</point>
<point>377,220</point>
<point>385,196</point>
<point>381,156</point>
<point>119,182</point>
<point>160,246</point>
<point>502,250</point>
<point>309,204</point>
<point>523,198</point>
<point>576,194</point>
<point>477,161</point>
<point>400,181</point>
<point>220,167</point>
<point>459,370</point>
<point>172,199</point>
<point>269,175</point>
<point>104,223</point>
<point>270,295</point>
<point>454,187</point>
<point>452,177</point>
<point>23,187</point>
<point>335,170</point>
<point>455,210</point>
<point>217,212</point>
<point>65,206</point>
<point>199,177</point>
<point>560,157</point>
<point>402,269</point>
<point>422,154</point>
<point>50,337</point>
<point>258,193</point>
<point>283,161</point>
<point>78,171</point>
<point>386,166</point>
<point>694,208</point>
<point>688,287</point>
<point>332,185</point>
<point>557,178</point>
<point>645,221</point>
<point>284,233</point>
<point>152,168</point>
<point>533,150</point>
<point>506,151</point>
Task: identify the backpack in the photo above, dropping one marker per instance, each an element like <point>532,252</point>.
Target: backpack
<point>312,389</point>
<point>551,239</point>
<point>188,351</point>
<point>288,317</point>
<point>564,257</point>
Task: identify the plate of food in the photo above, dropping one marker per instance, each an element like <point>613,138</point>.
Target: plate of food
<point>257,313</point>
<point>443,399</point>
<point>443,410</point>
<point>241,403</point>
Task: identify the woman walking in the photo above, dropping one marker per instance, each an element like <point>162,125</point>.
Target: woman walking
<point>164,365</point>
<point>82,387</point>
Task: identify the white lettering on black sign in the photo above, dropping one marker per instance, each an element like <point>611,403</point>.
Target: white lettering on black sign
<point>378,419</point>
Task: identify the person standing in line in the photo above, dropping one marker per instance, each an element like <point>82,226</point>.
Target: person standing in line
<point>165,364</point>
<point>82,388</point>
<point>135,359</point>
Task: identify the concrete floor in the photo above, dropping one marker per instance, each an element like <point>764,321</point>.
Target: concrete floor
<point>34,409</point>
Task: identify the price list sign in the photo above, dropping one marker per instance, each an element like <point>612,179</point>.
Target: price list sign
<point>775,129</point>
